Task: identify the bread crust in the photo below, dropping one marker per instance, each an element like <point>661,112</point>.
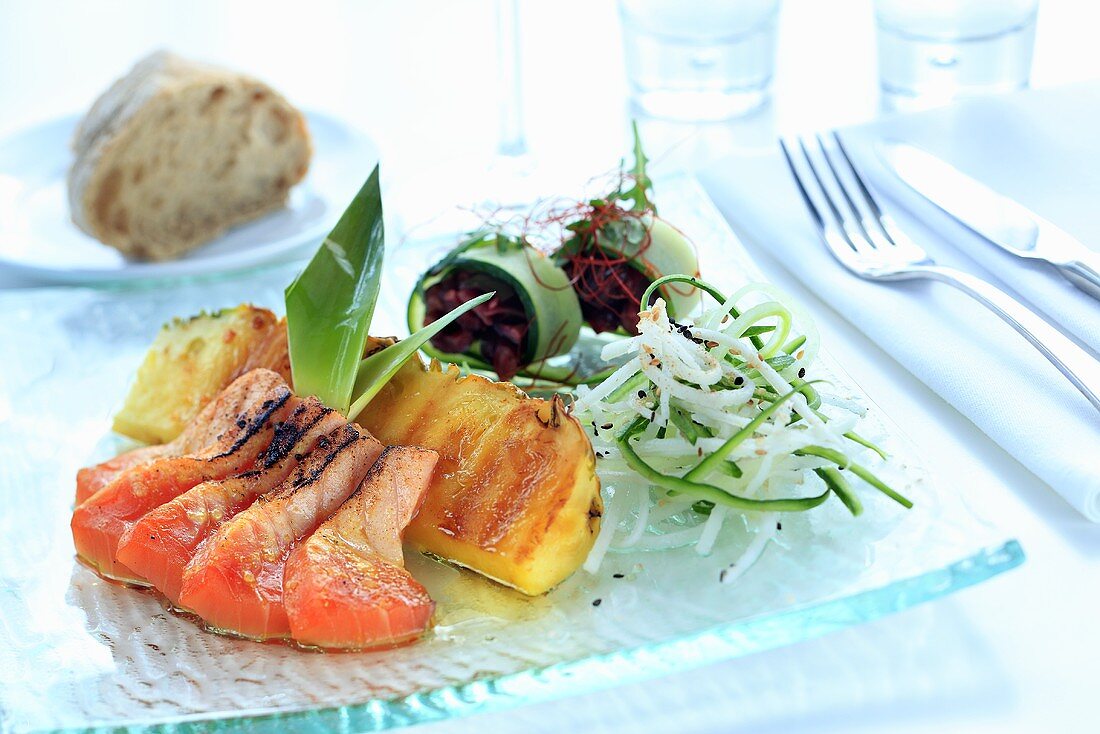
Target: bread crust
<point>103,147</point>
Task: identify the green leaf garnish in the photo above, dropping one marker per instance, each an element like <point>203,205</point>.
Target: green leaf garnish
<point>330,304</point>
<point>376,370</point>
<point>639,192</point>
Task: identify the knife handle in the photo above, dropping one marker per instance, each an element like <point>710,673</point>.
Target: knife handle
<point>1084,274</point>
<point>1080,368</point>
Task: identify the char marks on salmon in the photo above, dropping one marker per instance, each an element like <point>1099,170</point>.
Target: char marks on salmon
<point>346,585</point>
<point>161,544</point>
<point>235,581</point>
<point>270,516</point>
<point>241,421</point>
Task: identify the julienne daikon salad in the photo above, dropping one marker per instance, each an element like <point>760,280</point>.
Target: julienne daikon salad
<point>712,418</point>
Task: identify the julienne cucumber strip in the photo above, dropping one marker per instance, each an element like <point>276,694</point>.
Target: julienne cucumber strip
<point>692,483</point>
<point>711,462</point>
<point>768,395</point>
<point>856,438</point>
<point>625,389</point>
<point>703,286</point>
<point>842,461</point>
<point>794,344</point>
<point>688,428</point>
<point>835,481</point>
<point>709,492</point>
<point>541,375</point>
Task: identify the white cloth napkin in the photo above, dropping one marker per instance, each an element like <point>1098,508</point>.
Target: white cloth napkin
<point>1035,147</point>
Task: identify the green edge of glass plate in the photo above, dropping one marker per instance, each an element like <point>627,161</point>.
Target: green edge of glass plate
<point>597,672</point>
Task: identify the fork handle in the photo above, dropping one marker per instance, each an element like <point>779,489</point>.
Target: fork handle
<point>1084,273</point>
<point>1079,367</point>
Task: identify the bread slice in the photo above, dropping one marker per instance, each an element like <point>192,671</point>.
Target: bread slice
<point>176,152</point>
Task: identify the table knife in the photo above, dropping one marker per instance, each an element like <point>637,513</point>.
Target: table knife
<point>993,216</point>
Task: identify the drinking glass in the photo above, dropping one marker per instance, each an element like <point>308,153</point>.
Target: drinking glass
<point>933,51</point>
<point>705,60</point>
<point>458,196</point>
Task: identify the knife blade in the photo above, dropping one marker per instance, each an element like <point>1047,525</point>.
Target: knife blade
<point>993,216</point>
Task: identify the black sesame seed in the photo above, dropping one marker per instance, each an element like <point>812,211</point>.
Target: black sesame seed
<point>802,372</point>
<point>618,575</point>
<point>739,380</point>
<point>779,526</point>
<point>641,393</point>
<point>597,602</point>
<point>607,426</point>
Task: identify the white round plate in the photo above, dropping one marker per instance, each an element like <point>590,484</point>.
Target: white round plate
<point>38,239</point>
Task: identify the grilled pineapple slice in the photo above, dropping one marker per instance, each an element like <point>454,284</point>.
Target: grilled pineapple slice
<point>190,361</point>
<point>515,495</point>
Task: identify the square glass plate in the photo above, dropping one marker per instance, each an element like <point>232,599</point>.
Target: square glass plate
<point>79,653</point>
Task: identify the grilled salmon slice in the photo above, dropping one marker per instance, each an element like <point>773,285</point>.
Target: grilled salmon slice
<point>201,432</point>
<point>345,586</point>
<point>245,414</point>
<point>160,545</point>
<point>91,479</point>
<point>235,581</point>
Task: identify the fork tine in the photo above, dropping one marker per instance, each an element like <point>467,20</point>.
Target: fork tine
<point>857,215</point>
<point>830,227</point>
<point>883,221</point>
<point>806,198</point>
<point>867,196</point>
<point>852,234</point>
<point>821,185</point>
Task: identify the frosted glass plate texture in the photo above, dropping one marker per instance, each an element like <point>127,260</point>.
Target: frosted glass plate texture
<point>79,653</point>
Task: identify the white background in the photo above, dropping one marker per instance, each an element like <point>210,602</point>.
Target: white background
<point>1019,653</point>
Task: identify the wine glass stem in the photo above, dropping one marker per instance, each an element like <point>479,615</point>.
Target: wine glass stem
<point>512,141</point>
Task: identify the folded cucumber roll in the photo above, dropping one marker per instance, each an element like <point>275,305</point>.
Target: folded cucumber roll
<point>534,315</point>
<point>617,246</point>
<point>613,256</point>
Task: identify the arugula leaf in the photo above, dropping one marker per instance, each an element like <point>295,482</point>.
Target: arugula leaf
<point>330,304</point>
<point>377,369</point>
<point>639,192</point>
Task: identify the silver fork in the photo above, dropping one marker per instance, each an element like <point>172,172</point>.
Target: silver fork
<point>868,242</point>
